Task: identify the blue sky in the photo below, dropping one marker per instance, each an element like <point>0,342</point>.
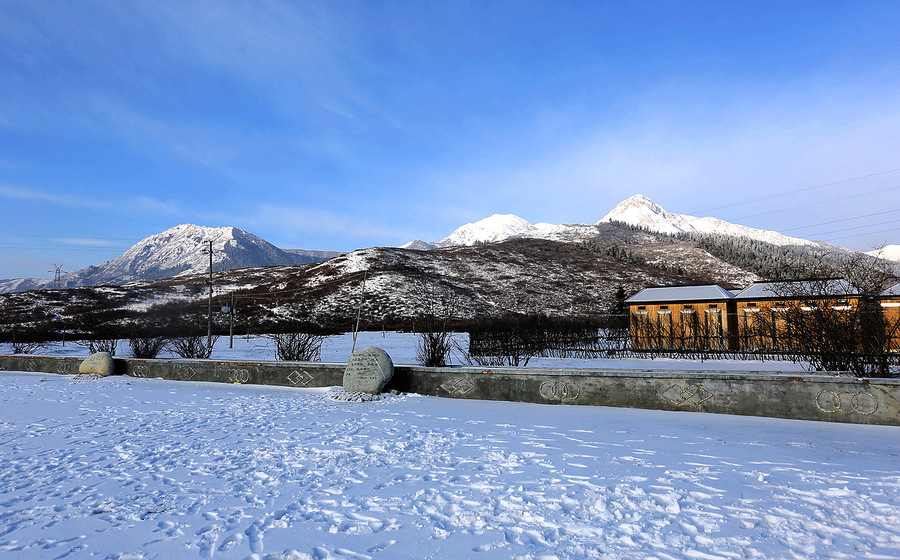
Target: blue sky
<point>340,124</point>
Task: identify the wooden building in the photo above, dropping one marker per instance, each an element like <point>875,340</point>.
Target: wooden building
<point>890,306</point>
<point>685,318</point>
<point>766,317</point>
<point>775,316</point>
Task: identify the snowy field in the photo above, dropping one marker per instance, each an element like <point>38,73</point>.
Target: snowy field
<point>126,468</point>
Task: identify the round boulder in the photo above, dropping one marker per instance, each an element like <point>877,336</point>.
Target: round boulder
<point>100,363</point>
<point>368,371</point>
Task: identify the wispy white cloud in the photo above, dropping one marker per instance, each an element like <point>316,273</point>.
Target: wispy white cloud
<point>154,206</point>
<point>117,205</point>
<point>90,242</point>
<point>71,201</point>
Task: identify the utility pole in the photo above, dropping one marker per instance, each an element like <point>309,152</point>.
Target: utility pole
<point>231,323</point>
<point>362,296</point>
<point>210,282</point>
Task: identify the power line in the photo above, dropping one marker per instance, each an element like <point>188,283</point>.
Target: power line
<point>841,220</point>
<point>817,203</point>
<point>861,234</point>
<point>852,228</point>
<point>801,190</point>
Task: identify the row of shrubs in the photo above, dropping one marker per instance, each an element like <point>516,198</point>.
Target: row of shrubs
<point>293,346</point>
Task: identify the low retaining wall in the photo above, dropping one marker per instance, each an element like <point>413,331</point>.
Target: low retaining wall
<point>801,397</point>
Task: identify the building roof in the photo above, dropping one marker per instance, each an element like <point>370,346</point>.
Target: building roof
<point>893,291</point>
<point>712,292</point>
<point>789,289</point>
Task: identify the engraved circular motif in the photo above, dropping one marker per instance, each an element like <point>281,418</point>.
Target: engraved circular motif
<point>831,402</point>
<point>559,391</point>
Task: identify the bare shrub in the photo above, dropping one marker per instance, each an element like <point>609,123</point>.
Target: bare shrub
<point>27,347</point>
<point>194,346</point>
<point>107,345</point>
<point>297,346</point>
<point>438,304</point>
<point>148,347</point>
<point>513,339</point>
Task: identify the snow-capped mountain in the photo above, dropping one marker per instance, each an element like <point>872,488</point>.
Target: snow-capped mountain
<point>637,211</point>
<point>643,212</point>
<point>178,251</point>
<point>489,230</point>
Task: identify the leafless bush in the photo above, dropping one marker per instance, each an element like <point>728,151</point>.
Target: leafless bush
<point>194,346</point>
<point>438,304</point>
<point>297,346</point>
<point>513,339</point>
<point>25,347</point>
<point>108,345</point>
<point>433,348</point>
<point>148,347</point>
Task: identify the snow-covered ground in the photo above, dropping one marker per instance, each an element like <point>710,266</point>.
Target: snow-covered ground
<point>127,468</point>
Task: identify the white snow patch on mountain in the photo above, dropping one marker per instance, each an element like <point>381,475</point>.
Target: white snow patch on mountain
<point>888,252</point>
<point>642,212</point>
<point>489,230</point>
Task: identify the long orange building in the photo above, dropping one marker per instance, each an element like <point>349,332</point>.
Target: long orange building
<point>764,317</point>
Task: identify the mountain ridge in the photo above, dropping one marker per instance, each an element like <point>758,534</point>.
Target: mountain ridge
<point>179,250</point>
<point>638,210</point>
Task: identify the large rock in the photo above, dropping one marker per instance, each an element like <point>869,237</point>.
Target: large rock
<point>100,363</point>
<point>368,371</point>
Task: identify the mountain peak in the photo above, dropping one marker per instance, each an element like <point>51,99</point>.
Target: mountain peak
<point>640,211</point>
<point>493,228</point>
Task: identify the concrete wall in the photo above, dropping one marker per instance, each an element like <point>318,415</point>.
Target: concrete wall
<point>804,397</point>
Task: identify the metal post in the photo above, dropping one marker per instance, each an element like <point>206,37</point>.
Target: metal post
<point>231,323</point>
<point>362,295</point>
<point>209,312</point>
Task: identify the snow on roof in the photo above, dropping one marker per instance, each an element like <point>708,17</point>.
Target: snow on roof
<point>892,291</point>
<point>781,289</point>
<point>681,293</point>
